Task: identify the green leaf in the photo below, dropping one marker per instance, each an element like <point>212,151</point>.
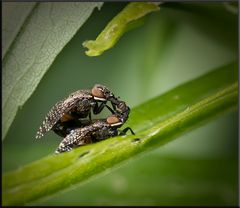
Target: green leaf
<point>155,122</point>
<point>130,17</point>
<point>14,15</point>
<point>43,35</point>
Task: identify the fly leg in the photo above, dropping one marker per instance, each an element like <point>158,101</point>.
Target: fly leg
<point>98,108</point>
<point>124,131</point>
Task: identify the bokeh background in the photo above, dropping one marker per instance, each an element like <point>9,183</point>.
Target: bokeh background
<point>178,43</point>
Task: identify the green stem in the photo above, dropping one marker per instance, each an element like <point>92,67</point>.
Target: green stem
<point>196,102</point>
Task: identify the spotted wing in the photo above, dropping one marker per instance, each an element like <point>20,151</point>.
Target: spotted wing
<point>56,113</point>
<point>76,137</point>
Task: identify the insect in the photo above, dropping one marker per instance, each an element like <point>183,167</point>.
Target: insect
<point>120,109</point>
<point>67,118</point>
<point>66,113</point>
<point>94,132</point>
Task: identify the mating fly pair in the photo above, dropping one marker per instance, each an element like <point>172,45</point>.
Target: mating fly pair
<point>68,118</point>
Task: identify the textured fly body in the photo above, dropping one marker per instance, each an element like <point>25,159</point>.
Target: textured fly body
<point>76,106</point>
<point>68,118</point>
<point>96,131</point>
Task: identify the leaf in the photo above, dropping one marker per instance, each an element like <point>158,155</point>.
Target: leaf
<point>155,122</point>
<point>129,17</point>
<point>14,15</point>
<point>44,34</point>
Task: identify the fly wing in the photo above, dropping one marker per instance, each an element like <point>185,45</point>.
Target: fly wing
<point>76,137</point>
<point>58,110</point>
<point>82,136</point>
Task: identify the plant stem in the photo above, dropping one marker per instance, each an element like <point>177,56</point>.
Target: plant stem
<point>213,94</point>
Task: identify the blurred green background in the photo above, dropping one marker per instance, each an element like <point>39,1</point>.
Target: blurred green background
<point>178,43</point>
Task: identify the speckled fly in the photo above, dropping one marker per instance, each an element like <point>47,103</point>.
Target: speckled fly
<point>94,132</point>
<point>67,118</point>
<point>65,114</point>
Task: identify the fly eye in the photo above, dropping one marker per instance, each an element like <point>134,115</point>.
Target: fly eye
<point>98,94</point>
<point>114,121</point>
